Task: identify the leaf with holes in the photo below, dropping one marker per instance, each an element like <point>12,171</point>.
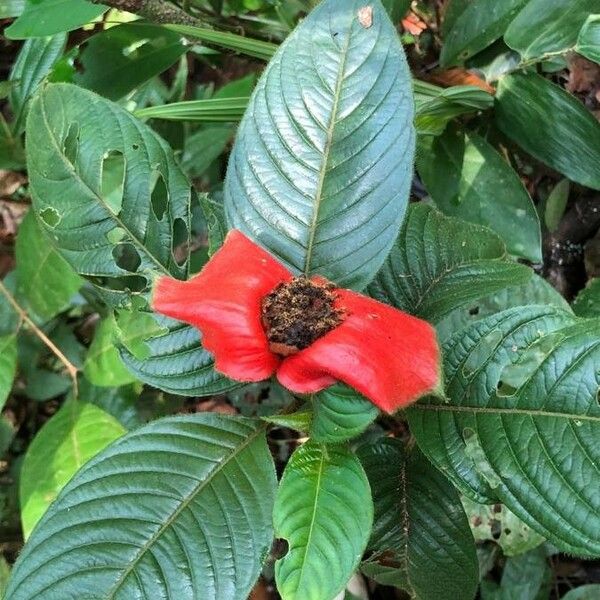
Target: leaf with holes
<point>158,513</point>
<point>439,264</point>
<point>340,413</point>
<point>168,354</point>
<point>75,434</point>
<point>420,526</point>
<point>324,511</point>
<point>321,168</point>
<point>108,190</point>
<point>521,421</point>
<point>45,279</point>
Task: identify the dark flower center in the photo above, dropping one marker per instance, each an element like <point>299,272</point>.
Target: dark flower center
<point>297,313</point>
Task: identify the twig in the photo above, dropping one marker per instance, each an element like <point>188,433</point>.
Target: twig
<point>69,366</point>
<point>157,11</point>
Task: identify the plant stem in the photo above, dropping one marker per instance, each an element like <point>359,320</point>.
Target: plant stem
<point>69,366</point>
<point>157,11</point>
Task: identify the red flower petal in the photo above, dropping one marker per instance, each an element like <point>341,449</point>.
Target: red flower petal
<point>224,302</point>
<point>388,356</point>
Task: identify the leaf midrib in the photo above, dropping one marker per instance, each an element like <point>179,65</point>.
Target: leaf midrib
<point>99,198</point>
<point>325,163</point>
<point>111,595</point>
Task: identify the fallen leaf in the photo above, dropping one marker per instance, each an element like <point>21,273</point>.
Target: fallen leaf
<point>413,24</point>
<point>457,76</point>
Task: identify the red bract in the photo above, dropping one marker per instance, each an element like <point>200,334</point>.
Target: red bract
<point>390,357</point>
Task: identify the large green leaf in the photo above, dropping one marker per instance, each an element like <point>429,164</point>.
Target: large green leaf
<point>324,511</point>
<point>103,365</point>
<point>75,434</point>
<point>467,178</point>
<point>108,189</point>
<point>545,26</point>
<point>180,508</point>
<point>45,279</point>
<point>52,16</point>
<point>8,364</point>
<point>420,526</point>
<point>588,43</point>
<point>439,264</point>
<point>34,62</point>
<point>322,164</point>
<point>11,8</point>
<point>521,420</point>
<point>551,125</point>
<point>119,59</point>
<point>339,414</point>
<point>476,26</point>
<point>587,303</point>
<point>172,358</point>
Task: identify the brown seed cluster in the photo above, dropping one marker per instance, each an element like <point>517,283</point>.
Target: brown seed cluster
<point>298,312</point>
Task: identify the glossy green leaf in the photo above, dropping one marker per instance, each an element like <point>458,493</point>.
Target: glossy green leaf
<point>324,511</point>
<point>8,364</point>
<point>468,178</point>
<point>551,125</point>
<point>108,189</point>
<point>209,110</point>
<point>118,60</point>
<point>396,8</point>
<point>32,65</point>
<point>176,508</point>
<point>420,527</point>
<point>340,413</point>
<point>496,523</point>
<point>587,303</point>
<point>231,41</point>
<point>45,279</point>
<point>321,168</point>
<point>298,421</point>
<point>522,411</point>
<point>440,263</point>
<point>547,26</point>
<point>585,592</point>
<point>174,360</point>
<point>588,43</point>
<point>75,434</point>
<point>476,27</point>
<point>556,204</point>
<point>103,365</point>
<point>452,11</point>
<point>52,16</point>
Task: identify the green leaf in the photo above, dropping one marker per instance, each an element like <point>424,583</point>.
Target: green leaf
<point>524,378</point>
<point>11,8</point>
<point>585,592</point>
<point>177,508</point>
<point>340,413</point>
<point>209,110</point>
<point>231,41</point>
<point>440,263</point>
<point>52,16</point>
<point>588,43</point>
<point>587,303</point>
<point>120,59</point>
<point>103,365</point>
<point>44,278</point>
<point>452,11</point>
<point>117,203</point>
<point>172,357</point>
<point>551,125</point>
<point>324,510</point>
<point>33,64</point>
<point>556,204</point>
<point>8,365</point>
<point>320,175</point>
<point>468,178</point>
<point>215,221</point>
<point>548,26</point>
<point>203,147</point>
<point>476,27</point>
<point>299,421</point>
<point>420,526</point>
<point>396,8</point>
<point>75,434</point>
<point>498,524</point>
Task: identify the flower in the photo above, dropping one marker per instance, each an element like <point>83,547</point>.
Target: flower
<point>257,319</point>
